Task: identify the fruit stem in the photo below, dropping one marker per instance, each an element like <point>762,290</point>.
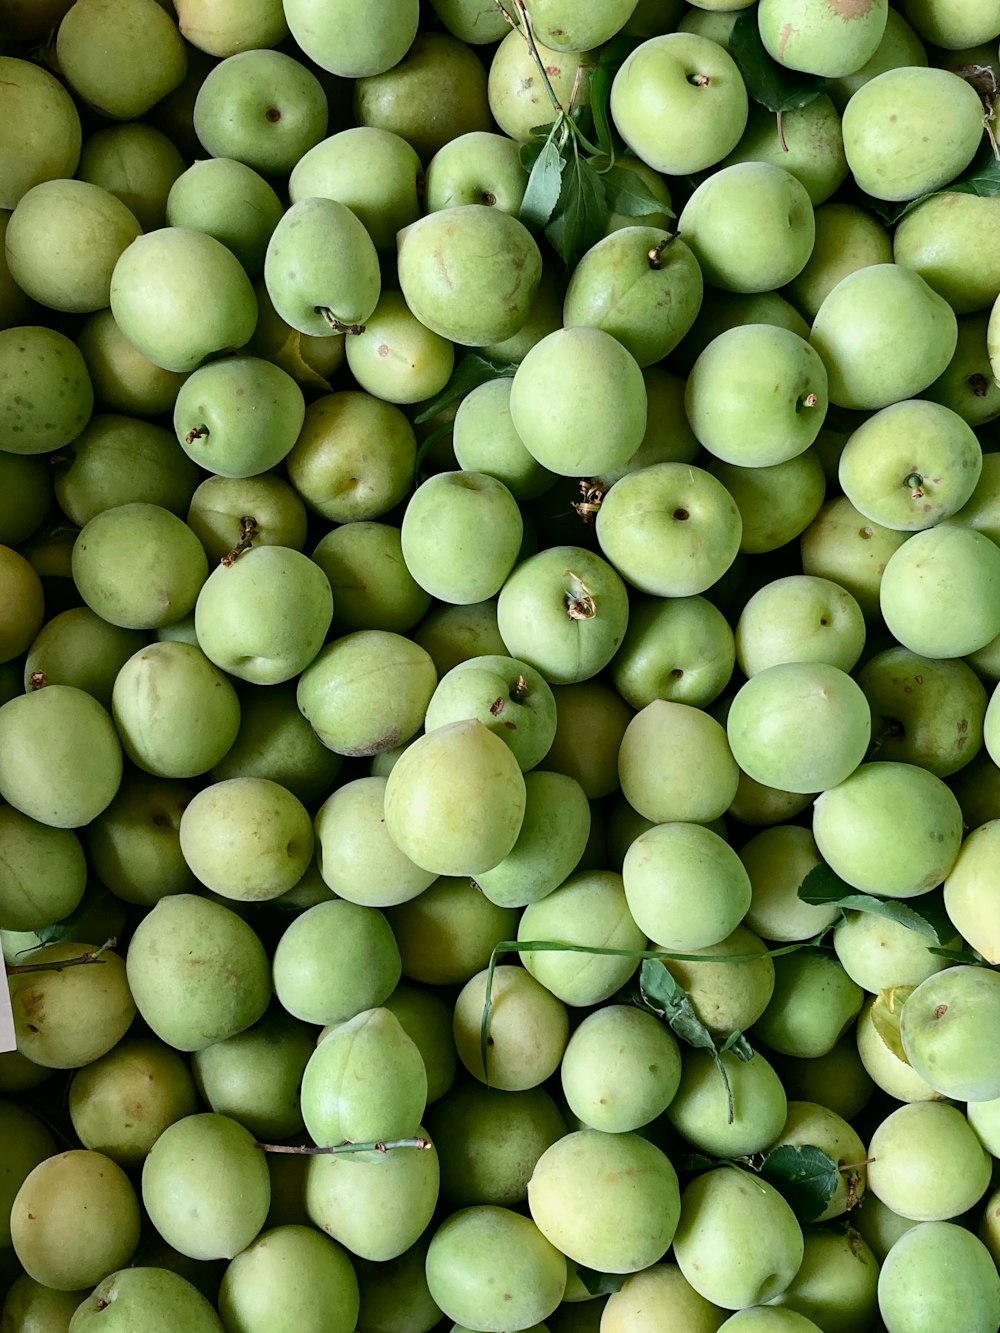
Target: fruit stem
<point>336,324</point>
<point>92,956</point>
<point>781,133</point>
<point>580,604</point>
<point>248,531</point>
<point>197,433</point>
<point>524,28</point>
<point>655,255</point>
<point>915,482</point>
<point>345,1147</point>
<point>593,494</point>
<point>37,679</point>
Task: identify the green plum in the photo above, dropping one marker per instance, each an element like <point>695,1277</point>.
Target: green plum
<point>910,465</point>
<point>527,1033</point>
<point>120,62</point>
<point>738,1242</point>
<point>926,1162</point>
<point>51,150</point>
<point>205,1186</point>
<point>321,268</point>
<point>335,960</point>
<point>813,1004</point>
<point>890,828</point>
<point>735,257</point>
<point>469,272</point>
<point>553,835</point>
<point>660,792</point>
<point>353,41</point>
<point>227,199</point>
<point>461,534</point>
<point>640,284</point>
<point>810,145</point>
<point>934,1270</point>
<point>60,756</point>
<point>135,162</point>
<point>158,300</point>
<point>275,741</point>
<point>799,618</point>
<point>509,697</point>
<point>945,1029</point>
<point>679,102</point>
<point>290,1278</point>
<point>74,1220</point>
<point>620,1070</point>
<point>783,720</point>
<point>518,96</point>
<point>372,587</point>
<point>239,416</point>
<point>777,860</point>
<point>447,933</point>
<point>367,692</point>
<point>776,503</point>
<point>884,335</point>
<point>46,395</point>
<point>949,239</point>
<point>848,237</point>
<point>680,649</point>
<point>701,1112</point>
<point>162,1300</point>
<point>124,380</point>
<point>262,108</point>
<point>373,171</point>
<point>909,131</point>
<point>357,859</point>
<point>818,39</point>
<point>607,1201</point>
<point>274,512</point>
<point>734,996</point>
<point>197,971</point>
<point>63,241</point>
<point>578,402</point>
<point>940,592</point>
<point>43,872</point>
<point>757,395</point>
<point>840,544</point>
<point>455,800</point>
<point>970,890</point>
<point>397,358</point>
<point>476,168</point>
<point>685,886</point>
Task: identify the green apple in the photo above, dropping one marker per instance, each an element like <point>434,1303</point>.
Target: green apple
<point>889,828</point>
<point>757,395</point>
<point>679,102</point>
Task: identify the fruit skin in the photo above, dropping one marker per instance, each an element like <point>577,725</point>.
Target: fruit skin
<point>674,123</point>
<point>926,1163</point>
<point>947,1029</point>
<point>469,273</point>
<point>940,592</point>
<point>41,136</point>
<point>120,58</point>
<point>353,40</point>
<point>933,1271</point>
<point>37,414</point>
<point>972,890</point>
<point>158,1299</point>
<point>828,40</point>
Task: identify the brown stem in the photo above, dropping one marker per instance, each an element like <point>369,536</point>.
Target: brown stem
<point>345,1147</point>
<point>248,531</point>
<point>93,956</point>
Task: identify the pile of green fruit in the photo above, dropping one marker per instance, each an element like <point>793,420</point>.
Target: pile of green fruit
<point>499,659</point>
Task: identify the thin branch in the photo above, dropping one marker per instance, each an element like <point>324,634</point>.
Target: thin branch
<point>93,956</point>
<point>338,1149</point>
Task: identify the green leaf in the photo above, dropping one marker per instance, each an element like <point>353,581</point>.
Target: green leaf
<point>885,1014</point>
<point>893,910</point>
<point>471,371</point>
<point>600,100</point>
<point>738,1044</point>
<point>582,213</point>
<point>767,82</point>
<point>626,194</point>
<point>981,178</point>
<point>805,1175</point>
<point>66,929</point>
<point>821,886</point>
<point>667,997</point>
<point>544,187</point>
<point>692,1161</point>
<point>600,1284</point>
<point>969,956</point>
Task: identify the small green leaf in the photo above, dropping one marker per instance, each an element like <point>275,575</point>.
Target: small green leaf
<point>528,154</point>
<point>600,100</point>
<point>767,82</point>
<point>981,178</point>
<point>805,1175</point>
<point>600,1284</point>
<point>471,371</point>
<point>969,956</point>
<point>67,929</point>
<point>544,186</point>
<point>893,910</point>
<point>626,194</point>
<point>821,886</point>
<point>582,212</point>
<point>692,1161</point>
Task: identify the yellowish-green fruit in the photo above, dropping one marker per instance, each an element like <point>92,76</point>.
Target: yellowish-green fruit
<point>972,891</point>
<point>291,1279</point>
<point>120,58</point>
<point>659,1300</point>
<point>64,1019</point>
<point>927,1163</point>
<point>607,1201</point>
<point>74,1220</point>
<point>822,39</point>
